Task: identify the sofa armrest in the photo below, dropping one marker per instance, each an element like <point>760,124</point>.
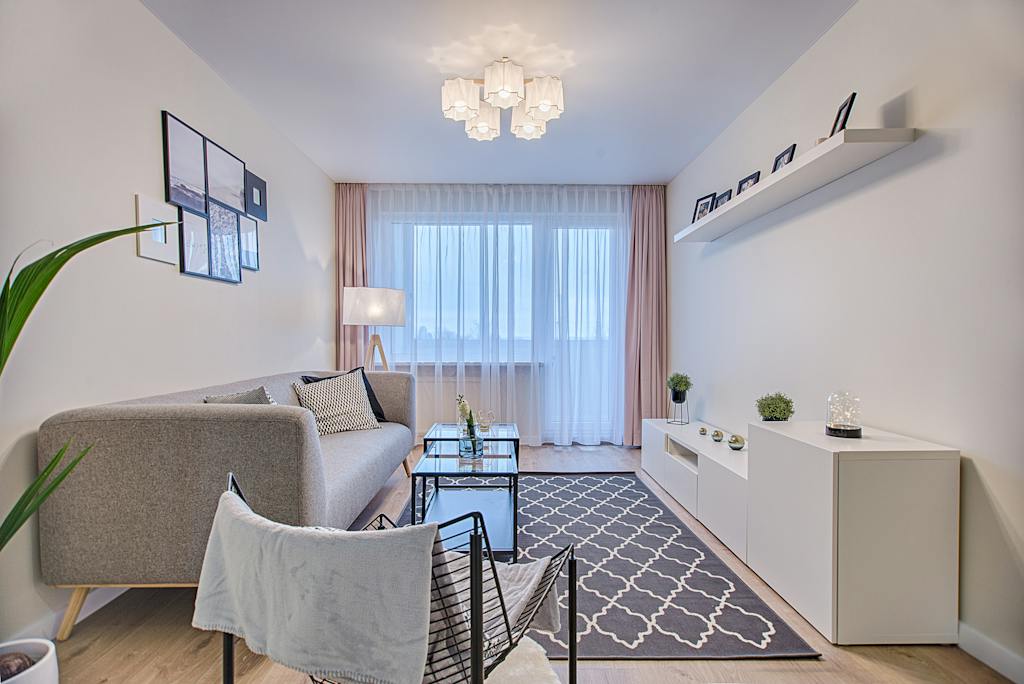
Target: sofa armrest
<point>396,393</point>
<point>139,507</point>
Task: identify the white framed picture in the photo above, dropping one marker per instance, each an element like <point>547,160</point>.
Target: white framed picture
<point>158,244</point>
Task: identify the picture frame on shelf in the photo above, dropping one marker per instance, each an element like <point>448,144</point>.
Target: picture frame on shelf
<point>843,114</point>
<point>158,244</point>
<point>703,207</point>
<point>255,196</point>
<point>194,243</point>
<point>748,182</point>
<point>184,164</point>
<point>249,241</point>
<point>723,198</point>
<point>784,157</point>
<point>225,177</point>
<point>225,244</point>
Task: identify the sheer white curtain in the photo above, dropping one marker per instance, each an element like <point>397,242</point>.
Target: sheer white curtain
<point>515,297</point>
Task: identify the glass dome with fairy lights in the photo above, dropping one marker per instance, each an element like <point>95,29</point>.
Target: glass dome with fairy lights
<point>843,415</point>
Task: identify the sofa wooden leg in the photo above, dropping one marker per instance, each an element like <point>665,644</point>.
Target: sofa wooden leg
<point>405,464</point>
<point>71,614</point>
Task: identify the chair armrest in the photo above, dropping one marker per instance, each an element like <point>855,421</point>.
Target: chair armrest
<point>396,393</point>
<point>139,507</point>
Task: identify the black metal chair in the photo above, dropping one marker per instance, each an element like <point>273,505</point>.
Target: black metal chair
<point>472,629</point>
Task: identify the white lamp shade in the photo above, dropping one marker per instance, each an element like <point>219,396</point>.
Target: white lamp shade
<point>525,126</point>
<point>544,100</point>
<point>460,99</point>
<point>503,84</point>
<point>486,125</point>
<point>373,306</point>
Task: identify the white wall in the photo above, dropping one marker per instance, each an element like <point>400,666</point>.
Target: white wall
<point>82,87</point>
<point>903,282</point>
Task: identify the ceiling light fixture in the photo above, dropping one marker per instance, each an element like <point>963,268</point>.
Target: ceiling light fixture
<point>533,102</point>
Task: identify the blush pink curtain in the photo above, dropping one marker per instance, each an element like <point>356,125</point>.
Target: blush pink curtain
<point>350,225</point>
<point>646,312</point>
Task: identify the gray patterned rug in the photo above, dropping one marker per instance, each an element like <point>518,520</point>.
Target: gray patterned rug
<point>648,587</point>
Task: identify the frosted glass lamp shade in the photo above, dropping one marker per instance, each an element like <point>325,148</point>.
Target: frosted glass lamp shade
<point>373,306</point>
<point>486,125</point>
<point>544,100</point>
<point>843,415</point>
<point>460,99</point>
<point>503,84</point>
<point>525,126</point>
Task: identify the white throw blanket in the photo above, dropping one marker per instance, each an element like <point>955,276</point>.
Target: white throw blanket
<point>330,603</point>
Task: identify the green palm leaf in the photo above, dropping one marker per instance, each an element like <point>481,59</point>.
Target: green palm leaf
<point>18,297</point>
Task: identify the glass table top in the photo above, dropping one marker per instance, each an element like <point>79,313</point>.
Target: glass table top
<point>453,466</point>
<point>451,431</point>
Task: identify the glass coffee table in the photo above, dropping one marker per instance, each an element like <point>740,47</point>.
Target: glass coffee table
<point>449,432</point>
<point>449,487</point>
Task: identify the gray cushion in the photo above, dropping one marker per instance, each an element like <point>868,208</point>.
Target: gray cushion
<point>257,395</point>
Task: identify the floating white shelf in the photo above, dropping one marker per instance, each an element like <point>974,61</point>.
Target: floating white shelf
<point>841,154</point>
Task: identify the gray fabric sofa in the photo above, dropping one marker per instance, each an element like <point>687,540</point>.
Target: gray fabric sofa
<point>138,509</point>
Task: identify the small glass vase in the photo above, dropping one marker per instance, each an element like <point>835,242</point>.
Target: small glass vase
<point>471,446</point>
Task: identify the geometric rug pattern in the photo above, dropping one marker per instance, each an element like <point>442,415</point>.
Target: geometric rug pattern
<point>648,586</point>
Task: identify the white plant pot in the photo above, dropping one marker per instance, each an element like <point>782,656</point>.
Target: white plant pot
<point>41,651</point>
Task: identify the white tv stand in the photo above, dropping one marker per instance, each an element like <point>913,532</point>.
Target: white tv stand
<point>860,536</point>
<point>678,458</point>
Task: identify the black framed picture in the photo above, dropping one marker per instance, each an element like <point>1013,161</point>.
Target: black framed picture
<point>194,242</point>
<point>184,164</point>
<point>225,177</point>
<point>843,115</point>
<point>255,196</point>
<point>250,243</point>
<point>723,198</point>
<point>748,182</point>
<point>784,157</point>
<point>703,207</point>
<point>225,249</point>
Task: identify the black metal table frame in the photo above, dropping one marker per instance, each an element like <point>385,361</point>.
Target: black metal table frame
<point>513,489</point>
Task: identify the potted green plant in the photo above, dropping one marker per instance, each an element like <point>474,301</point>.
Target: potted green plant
<point>775,407</point>
<point>678,384</point>
<point>34,661</point>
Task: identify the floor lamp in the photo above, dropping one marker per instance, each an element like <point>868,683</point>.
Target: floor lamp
<point>379,306</point>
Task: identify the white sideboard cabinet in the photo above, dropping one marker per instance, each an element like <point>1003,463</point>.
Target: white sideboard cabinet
<point>860,536</point>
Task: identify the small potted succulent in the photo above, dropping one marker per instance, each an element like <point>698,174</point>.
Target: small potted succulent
<point>775,407</point>
<point>678,383</point>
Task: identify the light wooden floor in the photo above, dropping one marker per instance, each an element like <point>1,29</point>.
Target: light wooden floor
<point>144,636</point>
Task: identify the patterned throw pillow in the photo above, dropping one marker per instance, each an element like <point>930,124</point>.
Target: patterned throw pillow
<point>257,395</point>
<point>339,404</point>
<point>378,411</point>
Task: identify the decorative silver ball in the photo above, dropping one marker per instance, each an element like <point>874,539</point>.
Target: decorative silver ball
<point>703,430</point>
<point>736,442</point>
<point>717,435</point>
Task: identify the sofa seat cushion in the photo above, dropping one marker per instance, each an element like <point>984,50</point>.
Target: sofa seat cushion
<point>357,464</point>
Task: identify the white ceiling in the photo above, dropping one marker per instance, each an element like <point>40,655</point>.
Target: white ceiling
<point>356,83</point>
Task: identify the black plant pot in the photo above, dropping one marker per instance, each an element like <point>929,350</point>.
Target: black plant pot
<point>678,396</point>
<point>773,420</point>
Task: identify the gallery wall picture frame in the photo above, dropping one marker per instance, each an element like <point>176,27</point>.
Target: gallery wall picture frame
<point>194,242</point>
<point>784,157</point>
<point>723,198</point>
<point>703,207</point>
<point>225,177</point>
<point>843,114</point>
<point>225,244</point>
<point>184,164</point>
<point>158,244</point>
<point>255,196</point>
<point>748,182</point>
<point>249,241</point>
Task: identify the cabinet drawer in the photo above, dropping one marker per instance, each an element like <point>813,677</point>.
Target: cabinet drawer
<point>675,474</point>
<point>722,505</point>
